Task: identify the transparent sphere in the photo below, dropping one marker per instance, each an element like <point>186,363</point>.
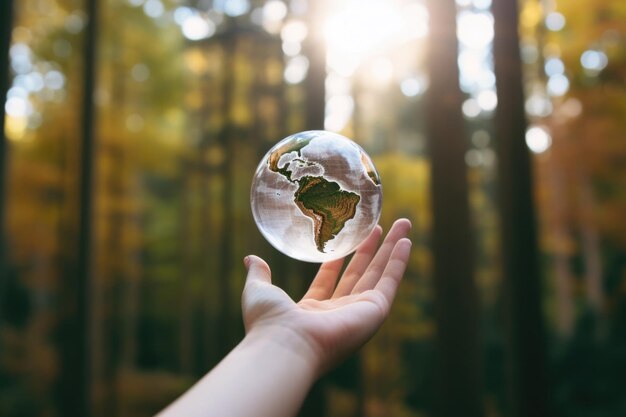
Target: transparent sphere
<point>316,196</point>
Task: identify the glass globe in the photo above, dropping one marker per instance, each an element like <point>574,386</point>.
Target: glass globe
<point>316,196</point>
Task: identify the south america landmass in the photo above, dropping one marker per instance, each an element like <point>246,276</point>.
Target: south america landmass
<point>321,200</point>
<point>327,205</point>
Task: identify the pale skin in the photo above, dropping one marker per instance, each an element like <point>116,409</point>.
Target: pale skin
<point>289,345</point>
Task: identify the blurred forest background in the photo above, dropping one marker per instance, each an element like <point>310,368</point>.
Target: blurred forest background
<point>131,132</point>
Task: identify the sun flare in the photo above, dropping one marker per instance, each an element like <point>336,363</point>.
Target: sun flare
<point>357,30</point>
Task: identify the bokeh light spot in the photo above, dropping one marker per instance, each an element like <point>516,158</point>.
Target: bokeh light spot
<point>153,8</point>
<point>487,100</point>
<point>74,23</point>
<point>196,27</point>
<point>558,85</point>
<point>538,139</point>
<point>296,69</point>
<point>17,107</point>
<point>554,66</point>
<point>594,60</point>
<point>54,80</point>
<point>555,21</point>
<point>236,8</point>
<point>140,72</point>
<point>414,86</point>
<point>475,30</point>
<point>471,108</point>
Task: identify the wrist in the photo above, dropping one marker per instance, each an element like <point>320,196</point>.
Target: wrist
<point>287,345</point>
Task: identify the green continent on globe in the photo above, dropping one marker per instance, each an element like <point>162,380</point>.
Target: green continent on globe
<point>327,205</point>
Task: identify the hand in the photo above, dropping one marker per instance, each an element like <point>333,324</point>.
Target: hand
<point>288,345</point>
<point>333,318</point>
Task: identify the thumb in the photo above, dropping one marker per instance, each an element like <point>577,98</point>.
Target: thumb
<point>258,270</point>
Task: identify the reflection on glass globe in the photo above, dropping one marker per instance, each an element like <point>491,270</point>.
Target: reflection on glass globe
<point>316,196</point>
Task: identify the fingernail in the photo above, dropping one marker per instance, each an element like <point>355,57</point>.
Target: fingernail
<point>246,262</point>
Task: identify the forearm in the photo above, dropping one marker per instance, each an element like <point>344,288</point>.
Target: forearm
<point>262,377</point>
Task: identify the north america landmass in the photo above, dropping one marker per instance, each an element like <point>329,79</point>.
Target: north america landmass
<point>319,199</point>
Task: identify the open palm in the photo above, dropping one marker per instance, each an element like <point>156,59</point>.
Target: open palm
<point>335,316</point>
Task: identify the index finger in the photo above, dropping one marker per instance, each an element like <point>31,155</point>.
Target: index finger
<point>372,275</point>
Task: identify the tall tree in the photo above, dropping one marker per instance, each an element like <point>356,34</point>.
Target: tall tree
<point>527,361</point>
<point>6,20</point>
<point>75,386</point>
<point>456,304</point>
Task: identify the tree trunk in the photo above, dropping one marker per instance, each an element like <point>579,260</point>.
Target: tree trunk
<point>522,285</point>
<point>458,381</point>
<point>6,25</point>
<point>315,83</point>
<point>226,140</point>
<point>75,393</point>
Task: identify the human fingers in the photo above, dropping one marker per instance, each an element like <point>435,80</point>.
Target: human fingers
<point>258,270</point>
<point>324,282</point>
<point>394,271</point>
<point>359,263</point>
<point>255,299</point>
<point>374,271</point>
